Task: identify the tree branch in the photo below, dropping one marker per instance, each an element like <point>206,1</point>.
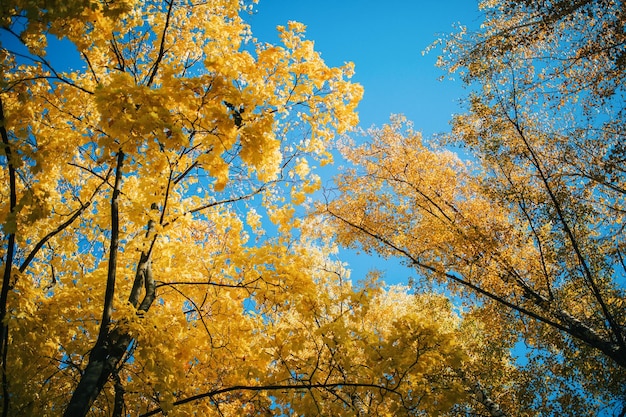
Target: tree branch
<point>59,228</point>
<point>8,262</point>
<point>157,61</point>
<point>615,328</point>
<point>113,251</point>
<point>99,366</point>
<point>482,397</point>
<point>572,326</point>
<point>271,387</point>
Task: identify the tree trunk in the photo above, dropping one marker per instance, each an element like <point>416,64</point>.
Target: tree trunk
<point>101,362</point>
<point>8,266</point>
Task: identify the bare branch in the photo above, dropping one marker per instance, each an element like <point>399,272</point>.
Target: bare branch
<point>274,387</point>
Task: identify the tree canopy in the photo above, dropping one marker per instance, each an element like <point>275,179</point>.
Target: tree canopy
<point>528,229</point>
<point>157,261</point>
<point>138,278</point>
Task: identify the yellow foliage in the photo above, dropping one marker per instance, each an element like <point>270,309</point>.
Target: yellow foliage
<point>522,232</point>
<point>132,176</point>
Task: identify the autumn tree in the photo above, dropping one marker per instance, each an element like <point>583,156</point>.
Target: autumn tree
<point>530,232</point>
<point>140,273</point>
<point>136,277</point>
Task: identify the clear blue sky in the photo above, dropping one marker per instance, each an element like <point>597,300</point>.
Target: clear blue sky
<point>385,40</point>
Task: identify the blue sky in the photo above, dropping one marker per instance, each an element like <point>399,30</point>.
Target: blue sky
<point>385,41</point>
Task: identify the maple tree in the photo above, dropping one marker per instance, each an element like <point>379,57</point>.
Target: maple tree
<point>530,232</point>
